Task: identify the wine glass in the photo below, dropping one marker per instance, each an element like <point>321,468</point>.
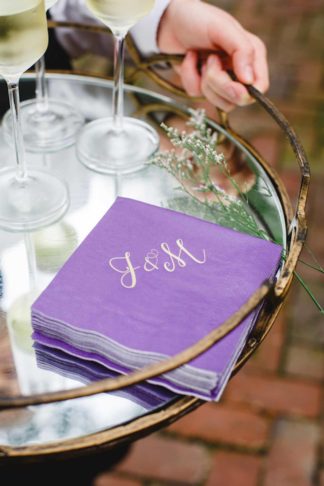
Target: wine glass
<point>48,124</point>
<point>117,144</point>
<point>33,198</point>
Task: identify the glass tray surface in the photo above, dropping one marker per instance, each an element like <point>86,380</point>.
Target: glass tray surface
<point>29,261</point>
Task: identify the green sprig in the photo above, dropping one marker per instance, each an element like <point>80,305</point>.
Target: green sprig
<point>197,149</point>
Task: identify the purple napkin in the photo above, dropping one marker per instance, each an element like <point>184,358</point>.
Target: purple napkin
<point>147,283</point>
<point>55,360</point>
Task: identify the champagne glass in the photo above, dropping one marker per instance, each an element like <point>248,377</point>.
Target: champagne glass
<point>48,124</point>
<point>117,144</point>
<point>28,199</point>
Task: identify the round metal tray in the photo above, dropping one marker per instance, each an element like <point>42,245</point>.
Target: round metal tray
<point>44,414</point>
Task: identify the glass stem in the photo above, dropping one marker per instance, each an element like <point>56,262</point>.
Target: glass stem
<point>31,260</point>
<point>13,89</point>
<point>118,91</point>
<point>41,86</point>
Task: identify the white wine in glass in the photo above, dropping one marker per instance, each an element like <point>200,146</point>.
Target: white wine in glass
<point>117,144</point>
<point>34,198</point>
<point>23,38</point>
<point>120,15</point>
<point>48,124</point>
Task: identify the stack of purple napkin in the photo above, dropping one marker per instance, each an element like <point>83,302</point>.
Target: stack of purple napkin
<point>146,284</point>
<point>55,360</point>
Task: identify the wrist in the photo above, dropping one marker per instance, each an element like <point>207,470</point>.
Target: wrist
<point>169,31</point>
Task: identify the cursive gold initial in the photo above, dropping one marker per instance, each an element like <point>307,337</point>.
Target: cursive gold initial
<point>182,248</point>
<point>129,270</point>
<point>171,265</point>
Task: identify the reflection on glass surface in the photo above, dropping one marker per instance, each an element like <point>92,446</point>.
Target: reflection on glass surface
<point>29,262</point>
<point>53,246</point>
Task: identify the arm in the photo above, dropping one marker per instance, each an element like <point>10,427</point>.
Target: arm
<point>189,27</point>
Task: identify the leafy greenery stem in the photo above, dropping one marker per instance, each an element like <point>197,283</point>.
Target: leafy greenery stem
<point>315,260</point>
<point>318,269</point>
<point>309,291</point>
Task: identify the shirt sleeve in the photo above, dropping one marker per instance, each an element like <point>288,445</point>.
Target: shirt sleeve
<point>76,43</point>
<point>145,31</point>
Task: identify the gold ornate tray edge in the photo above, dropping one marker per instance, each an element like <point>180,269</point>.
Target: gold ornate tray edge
<point>276,292</point>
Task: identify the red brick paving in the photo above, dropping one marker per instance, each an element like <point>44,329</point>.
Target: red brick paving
<point>114,480</point>
<point>265,431</point>
<point>164,459</point>
<point>275,395</point>
<point>305,362</point>
<point>225,424</point>
<point>234,469</point>
<point>292,458</point>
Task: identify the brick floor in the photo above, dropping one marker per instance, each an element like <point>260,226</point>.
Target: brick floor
<point>292,458</point>
<point>225,424</point>
<point>266,430</point>
<point>114,480</point>
<point>165,459</point>
<point>305,362</point>
<point>234,469</point>
<point>275,395</point>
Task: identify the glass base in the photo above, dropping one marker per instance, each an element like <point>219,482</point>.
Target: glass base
<point>40,200</point>
<point>49,131</point>
<point>101,148</point>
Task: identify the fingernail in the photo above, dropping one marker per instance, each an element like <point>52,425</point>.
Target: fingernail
<point>248,74</point>
<point>245,100</point>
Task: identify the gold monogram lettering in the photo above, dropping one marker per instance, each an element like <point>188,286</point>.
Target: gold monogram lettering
<point>171,265</point>
<point>151,260</point>
<point>124,266</point>
<point>129,270</point>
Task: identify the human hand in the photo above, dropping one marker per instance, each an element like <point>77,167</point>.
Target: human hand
<point>195,28</point>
